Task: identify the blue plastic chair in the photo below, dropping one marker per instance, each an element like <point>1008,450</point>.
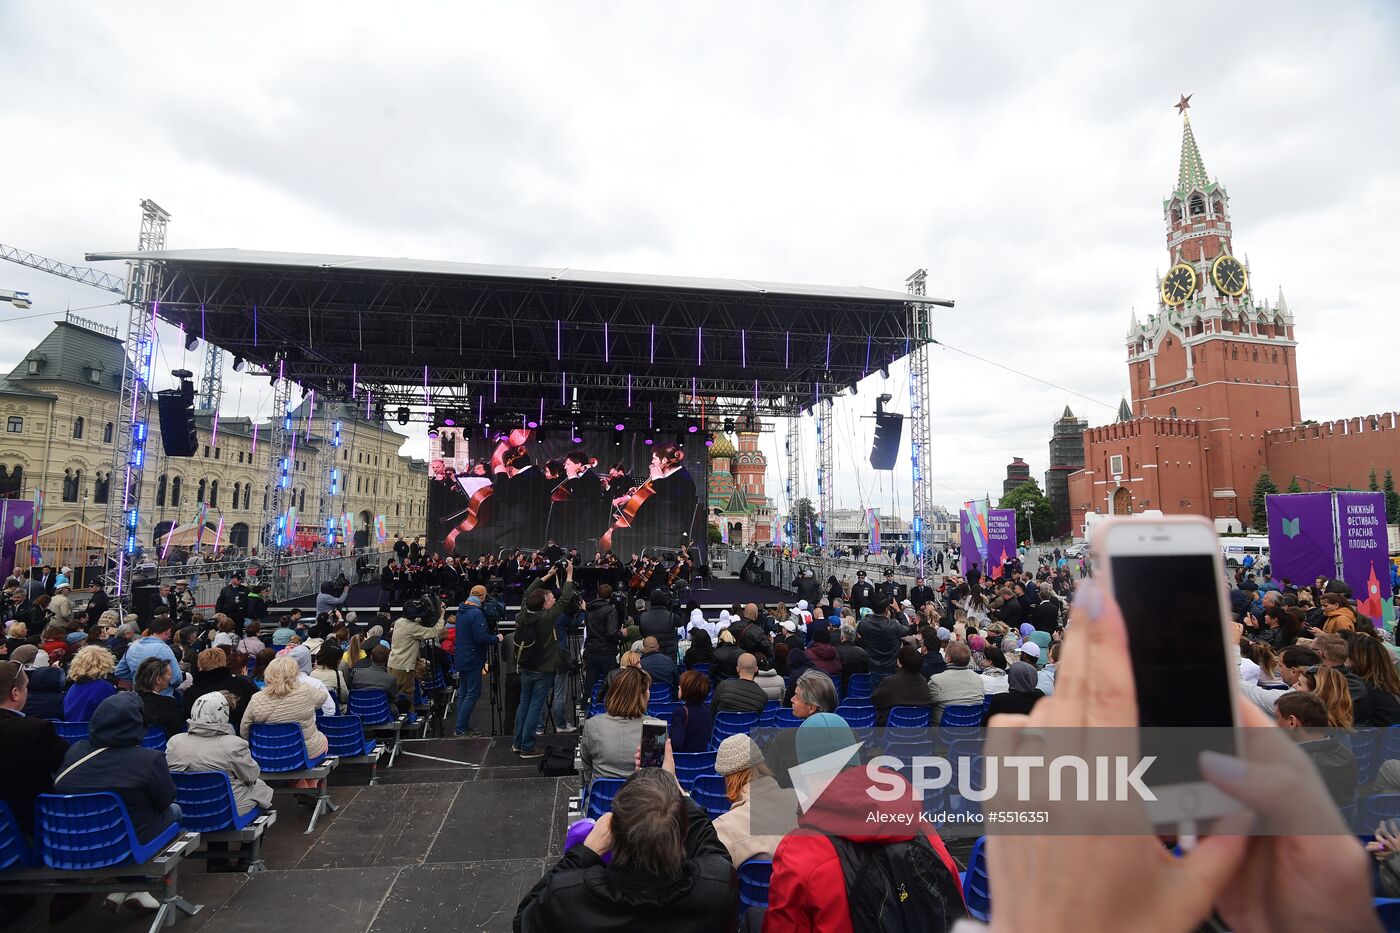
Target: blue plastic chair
<point>154,738</point>
<point>346,736</point>
<point>207,803</point>
<point>661,709</point>
<point>754,876</point>
<point>372,706</point>
<point>596,709</point>
<point>708,792</point>
<point>690,765</point>
<point>976,884</point>
<point>661,692</point>
<point>1371,810</point>
<point>84,831</point>
<point>13,849</point>
<point>1388,912</point>
<point>1366,746</point>
<point>71,732</point>
<point>960,721</point>
<point>600,796</point>
<point>857,717</point>
<point>1390,743</point>
<point>786,719</point>
<point>701,668</point>
<point>909,717</point>
<point>727,724</point>
<point>279,747</point>
<point>769,714</point>
<point>859,687</point>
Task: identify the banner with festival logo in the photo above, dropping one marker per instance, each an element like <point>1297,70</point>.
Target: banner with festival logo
<point>201,516</point>
<point>872,523</point>
<point>972,532</point>
<point>36,554</point>
<point>381,529</point>
<point>291,527</point>
<point>1001,538</point>
<point>1364,552</point>
<point>17,517</point>
<point>347,527</point>
<point>1302,543</point>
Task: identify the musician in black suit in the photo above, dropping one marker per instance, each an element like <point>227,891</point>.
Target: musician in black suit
<point>662,508</point>
<point>520,501</point>
<point>579,505</point>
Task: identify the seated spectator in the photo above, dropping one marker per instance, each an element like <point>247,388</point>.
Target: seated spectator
<point>90,675</point>
<point>660,667</point>
<point>250,644</point>
<point>54,643</point>
<point>1338,613</point>
<point>168,713</point>
<point>959,685</point>
<point>727,654</point>
<point>16,634</point>
<point>701,650</point>
<point>905,687</point>
<point>740,695</point>
<point>224,634</point>
<point>760,811</point>
<point>854,660</point>
<point>668,872</point>
<point>284,633</point>
<point>31,749</point>
<point>1369,660</point>
<point>327,672</point>
<point>813,693</point>
<point>153,645</point>
<point>770,680</point>
<point>934,640</point>
<point>375,675</point>
<point>46,684</point>
<point>994,674</point>
<point>211,745</point>
<point>301,654</point>
<point>837,840</point>
<point>140,776</point>
<point>822,655</point>
<point>608,745</point>
<point>1045,678</point>
<point>1021,695</point>
<point>629,659</point>
<point>284,698</point>
<point>691,721</point>
<point>1331,688</point>
<point>1307,718</point>
<point>216,671</point>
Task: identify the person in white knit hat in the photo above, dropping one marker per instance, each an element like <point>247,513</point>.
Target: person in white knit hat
<point>761,812</point>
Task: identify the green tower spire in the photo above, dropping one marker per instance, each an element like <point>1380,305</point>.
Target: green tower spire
<point>1193,168</point>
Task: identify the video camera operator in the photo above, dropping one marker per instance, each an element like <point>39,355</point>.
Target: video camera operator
<point>604,627</point>
<point>421,620</point>
<point>475,638</point>
<point>566,629</point>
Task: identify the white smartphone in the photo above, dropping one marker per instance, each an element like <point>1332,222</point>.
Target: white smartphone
<point>1167,576</point>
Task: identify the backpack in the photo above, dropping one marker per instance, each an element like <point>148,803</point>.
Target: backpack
<point>898,887</point>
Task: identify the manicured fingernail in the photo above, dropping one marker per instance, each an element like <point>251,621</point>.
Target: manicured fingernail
<point>1224,766</point>
<point>1090,599</point>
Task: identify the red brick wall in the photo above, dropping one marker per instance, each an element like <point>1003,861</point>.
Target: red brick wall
<point>1336,453</point>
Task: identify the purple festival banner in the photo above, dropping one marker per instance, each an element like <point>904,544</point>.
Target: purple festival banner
<point>1001,538</point>
<point>17,516</point>
<point>1364,549</point>
<point>1301,543</point>
<point>972,536</point>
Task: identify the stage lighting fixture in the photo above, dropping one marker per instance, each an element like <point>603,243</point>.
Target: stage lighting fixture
<point>191,342</point>
<point>692,428</point>
<point>710,439</point>
<point>574,433</point>
<point>403,414</point>
<point>728,425</point>
<point>239,364</point>
<point>449,422</point>
<point>649,438</point>
<point>532,424</point>
<point>619,426</point>
<point>885,371</point>
<point>432,434</point>
<point>852,389</point>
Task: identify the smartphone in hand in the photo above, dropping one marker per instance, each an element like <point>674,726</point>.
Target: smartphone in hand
<point>653,753</point>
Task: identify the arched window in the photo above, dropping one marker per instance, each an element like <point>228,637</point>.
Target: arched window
<point>175,485</point>
<point>202,490</point>
<point>396,509</point>
<point>78,428</point>
<point>17,483</point>
<point>1172,413</point>
<point>237,487</point>
<point>107,433</point>
<point>301,501</point>
<point>1198,205</point>
<point>214,494</point>
<point>357,484</point>
<point>264,498</point>
<point>247,491</point>
<point>1176,213</point>
<point>101,485</point>
<point>1218,207</point>
<point>1234,353</point>
<point>160,490</point>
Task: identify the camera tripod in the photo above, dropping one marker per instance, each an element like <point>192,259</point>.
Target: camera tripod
<point>572,655</point>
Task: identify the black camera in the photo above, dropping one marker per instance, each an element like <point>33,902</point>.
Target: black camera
<point>415,610</point>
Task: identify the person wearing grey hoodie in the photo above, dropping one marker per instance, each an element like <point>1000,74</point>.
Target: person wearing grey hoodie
<point>212,745</point>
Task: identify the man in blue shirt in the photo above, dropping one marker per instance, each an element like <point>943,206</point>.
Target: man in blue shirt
<point>474,640</point>
<point>156,644</point>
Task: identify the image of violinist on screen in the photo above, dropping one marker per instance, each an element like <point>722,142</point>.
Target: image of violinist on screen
<point>578,504</point>
<point>659,510</point>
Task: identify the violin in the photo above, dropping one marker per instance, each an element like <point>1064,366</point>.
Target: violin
<point>639,576</point>
<point>472,516</point>
<point>628,513</point>
<point>683,564</point>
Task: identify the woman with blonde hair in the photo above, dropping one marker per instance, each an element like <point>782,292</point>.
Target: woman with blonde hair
<point>286,698</point>
<point>1331,688</point>
<point>609,743</point>
<point>90,673</point>
<point>1370,661</point>
<point>750,831</point>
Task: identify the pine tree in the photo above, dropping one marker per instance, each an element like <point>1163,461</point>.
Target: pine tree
<point>1294,487</point>
<point>1374,486</point>
<point>1263,488</point>
<point>1392,500</point>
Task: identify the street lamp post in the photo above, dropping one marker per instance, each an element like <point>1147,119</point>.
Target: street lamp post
<point>1029,510</point>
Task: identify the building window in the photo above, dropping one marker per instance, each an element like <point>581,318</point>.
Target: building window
<point>237,487</point>
<point>214,494</point>
<point>107,433</point>
<point>247,491</point>
<point>1115,464</point>
<point>1172,413</point>
<point>78,428</point>
<point>14,425</point>
<point>100,487</point>
<point>396,509</point>
<point>240,456</point>
<point>301,500</point>
<point>216,453</point>
<point>202,490</point>
<point>12,486</point>
<point>160,491</point>
<point>206,451</point>
<point>72,480</point>
<point>264,498</point>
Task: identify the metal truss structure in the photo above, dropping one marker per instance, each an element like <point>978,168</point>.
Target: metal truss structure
<point>133,408</point>
<point>211,381</point>
<point>94,277</point>
<point>920,334</point>
<point>331,482</point>
<point>792,476</point>
<point>826,459</point>
<point>281,466</point>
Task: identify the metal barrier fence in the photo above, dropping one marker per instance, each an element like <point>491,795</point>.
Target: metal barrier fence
<point>283,579</point>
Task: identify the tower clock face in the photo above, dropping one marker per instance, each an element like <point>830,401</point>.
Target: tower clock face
<point>1178,284</point>
<point>1229,275</point>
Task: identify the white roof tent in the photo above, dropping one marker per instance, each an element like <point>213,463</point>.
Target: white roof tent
<point>589,344</point>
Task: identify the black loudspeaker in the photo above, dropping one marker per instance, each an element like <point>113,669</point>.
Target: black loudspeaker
<point>177,431</point>
<point>885,449</point>
<point>144,600</point>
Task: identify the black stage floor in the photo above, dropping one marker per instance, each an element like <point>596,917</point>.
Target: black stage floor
<point>720,593</point>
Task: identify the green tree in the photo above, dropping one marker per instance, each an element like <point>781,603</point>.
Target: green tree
<point>1374,486</point>
<point>1027,500</point>
<point>1392,500</point>
<point>1294,487</point>
<point>715,535</point>
<point>1263,488</point>
<point>806,520</point>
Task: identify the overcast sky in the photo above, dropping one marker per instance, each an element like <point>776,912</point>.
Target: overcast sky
<point>1019,153</point>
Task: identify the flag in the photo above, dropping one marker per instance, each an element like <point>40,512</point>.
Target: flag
<point>200,518</point>
<point>381,529</point>
<point>872,520</point>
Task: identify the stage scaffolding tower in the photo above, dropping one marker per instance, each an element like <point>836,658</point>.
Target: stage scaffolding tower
<point>281,466</point>
<point>123,528</point>
<point>793,469</point>
<point>332,479</point>
<point>211,381</point>
<point>919,336</point>
<point>826,446</point>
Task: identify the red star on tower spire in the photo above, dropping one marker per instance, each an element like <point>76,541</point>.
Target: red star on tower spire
<point>1184,104</point>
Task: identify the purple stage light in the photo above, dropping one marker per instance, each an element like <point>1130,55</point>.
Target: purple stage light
<point>648,440</point>
<point>532,424</point>
<point>432,434</point>
<point>692,429</point>
<point>449,422</point>
<point>619,427</point>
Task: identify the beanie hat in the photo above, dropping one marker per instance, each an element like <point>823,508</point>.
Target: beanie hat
<point>1026,629</point>
<point>24,655</point>
<point>823,733</point>
<point>1030,650</point>
<point>736,753</point>
<point>977,643</point>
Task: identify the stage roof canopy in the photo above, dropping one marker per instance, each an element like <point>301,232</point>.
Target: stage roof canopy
<point>498,343</point>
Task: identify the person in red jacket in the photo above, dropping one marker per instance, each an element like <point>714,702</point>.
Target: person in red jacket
<point>806,893</point>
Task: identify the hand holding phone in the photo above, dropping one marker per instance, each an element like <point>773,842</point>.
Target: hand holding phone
<point>653,749</point>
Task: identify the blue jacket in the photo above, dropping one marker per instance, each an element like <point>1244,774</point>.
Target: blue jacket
<point>149,647</point>
<point>138,775</point>
<point>662,669</point>
<point>473,637</point>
